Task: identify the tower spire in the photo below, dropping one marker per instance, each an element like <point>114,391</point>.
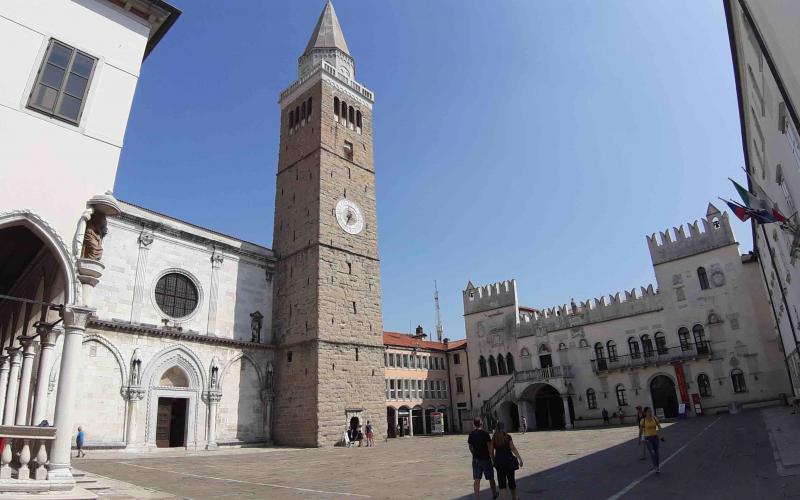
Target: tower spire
<point>327,33</point>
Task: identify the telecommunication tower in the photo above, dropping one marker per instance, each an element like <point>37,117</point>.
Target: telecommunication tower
<point>439,327</point>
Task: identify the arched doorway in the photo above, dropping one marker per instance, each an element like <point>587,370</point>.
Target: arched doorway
<point>404,421</point>
<point>417,421</point>
<point>391,415</point>
<point>662,390</point>
<point>509,415</point>
<point>549,408</point>
<point>428,420</point>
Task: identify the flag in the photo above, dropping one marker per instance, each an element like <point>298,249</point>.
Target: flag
<point>760,205</point>
<point>739,211</point>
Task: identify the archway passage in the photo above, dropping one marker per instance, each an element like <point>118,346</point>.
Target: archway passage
<point>662,390</point>
<point>390,425</point>
<point>428,420</point>
<point>549,409</point>
<point>171,422</point>
<point>417,422</point>
<point>509,415</point>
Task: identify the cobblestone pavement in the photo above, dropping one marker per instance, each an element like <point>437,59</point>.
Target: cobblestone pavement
<point>711,457</point>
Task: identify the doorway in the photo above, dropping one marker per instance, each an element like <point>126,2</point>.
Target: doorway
<point>549,409</point>
<point>546,360</point>
<point>171,422</point>
<point>391,428</point>
<point>662,390</point>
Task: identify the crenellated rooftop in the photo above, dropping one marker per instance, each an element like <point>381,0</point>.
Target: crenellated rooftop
<point>675,244</point>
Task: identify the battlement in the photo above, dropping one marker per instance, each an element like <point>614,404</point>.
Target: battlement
<point>671,245</point>
<point>487,297</point>
<point>589,311</point>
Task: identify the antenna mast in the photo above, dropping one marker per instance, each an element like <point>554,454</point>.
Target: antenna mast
<point>439,327</point>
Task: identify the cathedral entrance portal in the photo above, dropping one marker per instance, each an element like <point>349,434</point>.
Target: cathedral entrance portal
<point>171,422</point>
<point>662,390</point>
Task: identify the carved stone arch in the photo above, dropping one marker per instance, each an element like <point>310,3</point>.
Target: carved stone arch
<point>94,337</point>
<point>237,357</point>
<point>176,355</point>
<point>50,237</point>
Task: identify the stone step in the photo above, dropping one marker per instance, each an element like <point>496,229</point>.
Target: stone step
<point>76,493</point>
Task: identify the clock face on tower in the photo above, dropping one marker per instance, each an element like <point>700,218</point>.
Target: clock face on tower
<point>349,216</point>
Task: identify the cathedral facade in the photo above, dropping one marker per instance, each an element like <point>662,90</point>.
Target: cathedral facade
<point>149,331</point>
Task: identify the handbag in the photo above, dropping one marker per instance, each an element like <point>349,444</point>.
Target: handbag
<point>514,463</point>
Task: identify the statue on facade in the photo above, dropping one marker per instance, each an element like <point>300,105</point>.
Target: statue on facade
<point>136,368</point>
<point>96,230</point>
<point>214,384</point>
<point>256,322</point>
<point>270,373</point>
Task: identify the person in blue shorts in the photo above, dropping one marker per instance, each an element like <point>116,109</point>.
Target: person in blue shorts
<point>480,445</point>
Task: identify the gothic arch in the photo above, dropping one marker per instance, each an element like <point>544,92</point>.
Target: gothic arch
<point>237,357</point>
<point>178,355</point>
<point>50,237</point>
<point>94,337</point>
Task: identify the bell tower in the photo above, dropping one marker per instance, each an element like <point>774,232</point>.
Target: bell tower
<point>327,303</point>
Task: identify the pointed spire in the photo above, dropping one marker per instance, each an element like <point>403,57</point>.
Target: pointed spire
<point>712,210</point>
<point>327,34</point>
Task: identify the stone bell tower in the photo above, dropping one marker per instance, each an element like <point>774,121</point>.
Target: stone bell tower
<point>327,301</point>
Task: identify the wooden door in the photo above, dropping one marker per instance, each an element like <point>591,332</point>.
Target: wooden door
<point>163,422</point>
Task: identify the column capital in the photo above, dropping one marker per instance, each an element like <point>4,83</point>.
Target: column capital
<point>133,393</point>
<point>77,316</point>
<point>15,353</point>
<point>48,334</point>
<point>216,260</point>
<point>212,397</point>
<point>27,345</point>
<point>145,239</point>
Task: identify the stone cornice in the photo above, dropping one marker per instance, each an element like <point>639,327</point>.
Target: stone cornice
<point>126,326</point>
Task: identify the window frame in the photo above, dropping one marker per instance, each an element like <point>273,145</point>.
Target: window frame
<point>622,400</point>
<point>459,385</point>
<point>702,277</point>
<point>704,388</point>
<point>738,381</point>
<point>192,284</point>
<point>591,399</point>
<point>61,91</point>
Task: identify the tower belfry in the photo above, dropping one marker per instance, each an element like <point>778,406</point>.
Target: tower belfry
<point>326,299</point>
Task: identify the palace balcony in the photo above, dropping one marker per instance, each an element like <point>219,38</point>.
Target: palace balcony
<point>545,374</point>
<point>660,355</point>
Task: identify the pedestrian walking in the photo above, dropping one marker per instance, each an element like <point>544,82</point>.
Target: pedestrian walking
<point>524,424</point>
<point>480,445</point>
<point>605,416</point>
<point>370,435</point>
<point>650,427</point>
<point>621,416</point>
<point>79,443</point>
<point>640,441</point>
<point>506,461</point>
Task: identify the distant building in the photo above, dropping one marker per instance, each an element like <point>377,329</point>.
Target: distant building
<point>423,377</point>
<point>765,43</point>
<point>704,339</point>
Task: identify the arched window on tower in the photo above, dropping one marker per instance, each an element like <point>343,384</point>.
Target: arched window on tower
<point>612,351</point>
<point>492,366</point>
<point>647,346</point>
<point>303,112</point>
<point>344,113</point>
<point>351,117</point>
<point>291,119</point>
<point>510,363</point>
<point>336,107</point>
<point>700,339</point>
<point>661,343</point>
<point>297,116</point>
<point>704,385</point>
<point>703,277</point>
<point>600,357</point>
<point>633,348</point>
<point>683,338</point>
<point>308,108</point>
<point>621,399</point>
<point>358,121</point>
<point>482,367</point>
<point>591,399</point>
<point>501,365</point>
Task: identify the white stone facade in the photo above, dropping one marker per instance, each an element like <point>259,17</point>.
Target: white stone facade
<point>572,361</point>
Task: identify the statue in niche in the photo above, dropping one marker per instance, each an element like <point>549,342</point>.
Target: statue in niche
<point>270,373</point>
<point>93,234</point>
<point>256,322</point>
<point>214,375</point>
<point>136,368</point>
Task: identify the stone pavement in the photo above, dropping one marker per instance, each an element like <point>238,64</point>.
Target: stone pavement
<point>710,457</point>
<point>783,428</point>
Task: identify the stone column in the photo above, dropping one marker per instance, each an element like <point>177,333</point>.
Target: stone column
<point>47,341</point>
<point>268,398</point>
<point>23,399</point>
<point>216,263</point>
<point>11,392</point>
<point>4,367</point>
<point>212,398</point>
<point>75,318</point>
<point>567,423</point>
<point>132,395</point>
<point>145,239</point>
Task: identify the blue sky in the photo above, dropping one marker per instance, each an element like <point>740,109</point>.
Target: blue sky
<point>536,140</point>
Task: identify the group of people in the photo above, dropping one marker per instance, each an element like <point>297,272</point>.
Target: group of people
<point>354,434</point>
<point>490,453</point>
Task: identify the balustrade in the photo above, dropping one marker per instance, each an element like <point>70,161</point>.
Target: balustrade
<point>659,355</point>
<point>546,373</point>
<point>17,473</point>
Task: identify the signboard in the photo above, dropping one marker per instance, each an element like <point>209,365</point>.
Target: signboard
<point>660,413</point>
<point>682,410</point>
<point>698,407</point>
<point>437,424</point>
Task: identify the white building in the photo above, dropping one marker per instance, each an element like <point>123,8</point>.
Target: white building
<point>703,338</point>
<point>765,43</point>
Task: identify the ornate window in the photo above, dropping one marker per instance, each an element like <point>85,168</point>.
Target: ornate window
<point>501,364</point>
<point>510,363</point>
<point>700,339</point>
<point>543,349</point>
<point>591,399</point>
<point>704,385</point>
<point>703,278</point>
<point>683,337</point>
<point>583,343</point>
<point>482,366</point>
<point>562,346</point>
<point>661,343</point>
<point>633,347</point>
<point>336,107</point>
<point>647,346</point>
<point>737,378</point>
<point>351,117</point>
<point>598,351</point>
<point>176,295</point>
<point>612,351</point>
<point>358,121</point>
<point>492,366</point>
<point>621,399</point>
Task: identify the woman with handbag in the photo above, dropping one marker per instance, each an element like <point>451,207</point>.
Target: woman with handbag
<point>506,461</point>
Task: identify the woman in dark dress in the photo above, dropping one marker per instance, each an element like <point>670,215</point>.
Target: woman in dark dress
<point>504,457</point>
